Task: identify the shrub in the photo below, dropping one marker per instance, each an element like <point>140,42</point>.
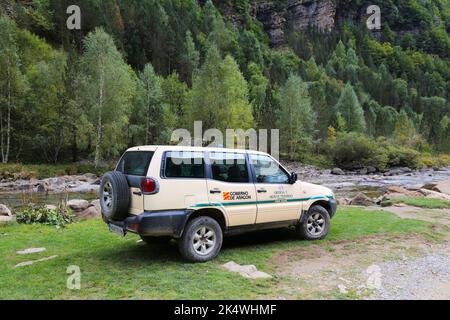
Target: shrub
<point>59,217</point>
<point>355,150</point>
<point>403,157</point>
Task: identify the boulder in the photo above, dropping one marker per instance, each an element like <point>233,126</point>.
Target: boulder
<point>363,171</point>
<point>338,172</point>
<point>397,171</point>
<point>371,170</point>
<point>435,195</point>
<point>442,187</point>
<point>5,211</point>
<point>78,205</point>
<point>404,192</point>
<point>361,200</point>
<point>89,213</point>
<point>6,219</point>
<point>51,207</point>
<point>343,201</point>
<point>96,204</point>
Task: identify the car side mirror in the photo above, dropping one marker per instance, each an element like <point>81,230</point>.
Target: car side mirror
<point>293,178</point>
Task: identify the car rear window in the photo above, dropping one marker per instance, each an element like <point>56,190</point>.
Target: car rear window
<point>229,167</point>
<point>187,165</point>
<point>135,163</point>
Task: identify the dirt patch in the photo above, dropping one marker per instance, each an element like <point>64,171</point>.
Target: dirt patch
<point>409,212</point>
<point>347,269</point>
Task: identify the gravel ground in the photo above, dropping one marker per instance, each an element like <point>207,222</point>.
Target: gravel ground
<point>416,279</point>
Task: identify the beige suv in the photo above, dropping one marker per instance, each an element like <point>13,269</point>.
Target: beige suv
<point>198,195</point>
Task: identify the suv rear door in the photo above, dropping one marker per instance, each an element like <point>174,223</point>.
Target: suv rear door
<point>134,165</point>
<point>230,186</point>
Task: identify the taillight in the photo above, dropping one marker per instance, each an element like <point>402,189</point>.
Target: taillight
<point>148,185</point>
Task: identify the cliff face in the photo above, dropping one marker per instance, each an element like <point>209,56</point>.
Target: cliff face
<point>295,14</point>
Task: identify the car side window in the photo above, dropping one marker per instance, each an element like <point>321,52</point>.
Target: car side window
<point>135,163</point>
<point>187,165</point>
<point>229,167</point>
<point>268,171</point>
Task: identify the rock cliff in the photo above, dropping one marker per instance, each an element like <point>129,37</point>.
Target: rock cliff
<point>295,15</point>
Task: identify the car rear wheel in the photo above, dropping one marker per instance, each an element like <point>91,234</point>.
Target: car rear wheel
<point>114,196</point>
<point>315,224</point>
<point>201,240</point>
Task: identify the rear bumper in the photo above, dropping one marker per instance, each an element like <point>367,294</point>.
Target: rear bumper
<point>162,223</point>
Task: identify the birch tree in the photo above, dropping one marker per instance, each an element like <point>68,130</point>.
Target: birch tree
<point>106,87</point>
<point>12,83</point>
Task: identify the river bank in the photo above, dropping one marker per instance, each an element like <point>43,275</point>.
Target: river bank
<point>346,184</point>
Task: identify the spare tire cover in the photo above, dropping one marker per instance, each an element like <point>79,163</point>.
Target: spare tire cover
<point>114,196</point>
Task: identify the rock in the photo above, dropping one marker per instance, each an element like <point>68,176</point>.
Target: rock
<point>343,201</point>
<point>297,14</point>
<point>371,170</point>
<point>5,219</point>
<point>249,271</point>
<point>361,200</point>
<point>5,211</point>
<point>96,204</point>
<point>28,263</point>
<point>397,171</point>
<point>338,172</point>
<point>363,171</point>
<point>404,192</point>
<point>435,195</point>
<point>42,187</point>
<point>51,207</point>
<point>442,187</point>
<point>31,251</point>
<point>89,213</point>
<point>78,205</point>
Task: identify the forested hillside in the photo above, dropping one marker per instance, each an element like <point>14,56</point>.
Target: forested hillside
<point>339,93</point>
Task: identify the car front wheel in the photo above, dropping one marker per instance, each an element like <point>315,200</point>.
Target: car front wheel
<point>315,224</point>
<point>201,240</point>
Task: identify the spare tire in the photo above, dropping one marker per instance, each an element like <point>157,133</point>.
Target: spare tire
<point>114,196</point>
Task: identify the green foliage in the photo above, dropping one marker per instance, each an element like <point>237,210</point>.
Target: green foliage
<point>106,86</point>
<point>59,217</point>
<point>212,61</point>
<point>296,118</point>
<point>219,95</point>
<point>348,111</point>
<point>355,150</point>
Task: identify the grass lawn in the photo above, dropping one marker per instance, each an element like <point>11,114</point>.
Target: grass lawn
<point>119,268</point>
<point>421,202</point>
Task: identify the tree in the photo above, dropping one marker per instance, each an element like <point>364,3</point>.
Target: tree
<point>106,86</point>
<point>150,107</point>
<point>219,95</point>
<point>350,109</point>
<point>191,58</point>
<point>297,120</point>
<point>258,86</point>
<point>12,83</point>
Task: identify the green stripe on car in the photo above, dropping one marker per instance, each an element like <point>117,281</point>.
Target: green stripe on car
<point>227,204</point>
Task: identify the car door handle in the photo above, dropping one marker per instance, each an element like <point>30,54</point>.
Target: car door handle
<point>137,193</point>
<point>262,191</point>
<point>214,191</point>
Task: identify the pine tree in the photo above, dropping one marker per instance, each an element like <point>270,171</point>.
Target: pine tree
<point>297,120</point>
<point>350,109</point>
